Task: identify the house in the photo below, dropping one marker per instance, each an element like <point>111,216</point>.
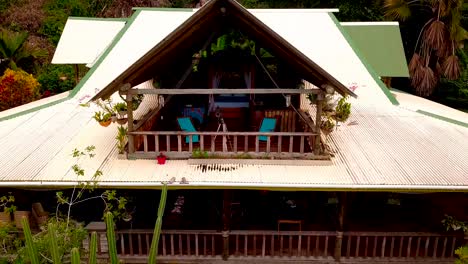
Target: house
<point>381,161</point>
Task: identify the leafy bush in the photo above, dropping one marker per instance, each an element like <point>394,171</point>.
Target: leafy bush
<point>57,78</point>
<point>462,254</point>
<point>68,237</point>
<point>17,88</point>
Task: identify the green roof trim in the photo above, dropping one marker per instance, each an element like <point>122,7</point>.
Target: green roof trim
<point>443,118</point>
<point>34,109</point>
<point>381,45</point>
<point>169,9</point>
<point>374,75</point>
<point>78,87</point>
<point>118,19</point>
<point>104,55</point>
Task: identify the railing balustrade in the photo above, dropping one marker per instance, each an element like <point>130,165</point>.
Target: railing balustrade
<point>134,245</point>
<point>410,245</point>
<point>255,144</point>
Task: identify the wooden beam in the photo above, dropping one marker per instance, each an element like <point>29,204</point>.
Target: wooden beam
<point>130,137</point>
<point>318,123</point>
<point>225,91</point>
<point>150,114</point>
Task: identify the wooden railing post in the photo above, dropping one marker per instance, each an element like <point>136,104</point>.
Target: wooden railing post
<point>318,123</point>
<point>226,222</point>
<point>131,142</point>
<point>338,245</point>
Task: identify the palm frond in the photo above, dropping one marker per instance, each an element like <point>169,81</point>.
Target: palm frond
<point>451,67</point>
<point>397,9</point>
<point>427,83</point>
<point>435,35</point>
<point>415,62</point>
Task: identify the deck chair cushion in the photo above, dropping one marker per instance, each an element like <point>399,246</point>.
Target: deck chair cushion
<point>268,125</point>
<point>186,125</point>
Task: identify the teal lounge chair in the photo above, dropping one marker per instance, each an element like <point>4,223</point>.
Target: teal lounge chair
<point>186,125</point>
<point>268,125</point>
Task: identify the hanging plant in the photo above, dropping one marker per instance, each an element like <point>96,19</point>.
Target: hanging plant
<point>104,119</point>
<point>342,110</point>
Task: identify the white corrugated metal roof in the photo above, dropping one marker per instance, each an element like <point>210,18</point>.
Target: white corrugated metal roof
<point>84,40</point>
<point>386,147</point>
<point>148,27</point>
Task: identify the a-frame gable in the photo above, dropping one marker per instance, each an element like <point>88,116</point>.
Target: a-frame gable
<point>190,36</point>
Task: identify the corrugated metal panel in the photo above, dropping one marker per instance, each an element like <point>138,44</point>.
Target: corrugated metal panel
<point>146,31</point>
<point>325,45</point>
<point>381,45</point>
<point>83,40</point>
<point>381,145</point>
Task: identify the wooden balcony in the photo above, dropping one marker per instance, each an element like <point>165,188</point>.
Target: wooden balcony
<point>205,246</point>
<point>280,145</point>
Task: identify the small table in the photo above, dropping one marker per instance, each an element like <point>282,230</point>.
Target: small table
<point>290,222</point>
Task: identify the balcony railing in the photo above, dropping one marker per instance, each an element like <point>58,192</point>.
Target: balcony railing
<point>178,144</point>
<point>288,246</point>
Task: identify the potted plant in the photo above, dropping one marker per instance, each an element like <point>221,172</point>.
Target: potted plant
<point>451,223</point>
<point>6,209</point>
<point>104,119</point>
<point>121,141</point>
<point>161,158</point>
<point>121,110</point>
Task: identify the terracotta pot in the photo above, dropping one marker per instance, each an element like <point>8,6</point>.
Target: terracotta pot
<point>105,123</point>
<point>19,215</point>
<point>5,218</point>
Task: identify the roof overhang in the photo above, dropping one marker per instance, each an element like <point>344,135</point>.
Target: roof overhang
<point>84,39</point>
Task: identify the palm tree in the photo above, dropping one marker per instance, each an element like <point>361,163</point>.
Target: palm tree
<point>435,51</point>
<point>14,51</point>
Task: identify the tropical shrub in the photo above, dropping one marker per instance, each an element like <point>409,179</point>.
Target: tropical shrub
<point>56,79</point>
<point>462,254</point>
<point>17,88</point>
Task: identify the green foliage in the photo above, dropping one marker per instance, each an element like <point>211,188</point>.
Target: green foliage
<point>57,12</point>
<point>120,107</point>
<point>102,117</point>
<point>111,238</point>
<point>93,248</point>
<point>451,223</point>
<point>342,110</point>
<point>7,203</point>
<point>66,236</point>
<point>17,88</point>
<point>56,78</point>
<point>30,246</point>
<point>462,253</point>
<point>54,251</point>
<point>9,243</point>
<point>121,138</point>
<point>116,205</point>
<point>198,154</point>
<point>157,228</point>
<point>14,51</point>
<point>75,256</point>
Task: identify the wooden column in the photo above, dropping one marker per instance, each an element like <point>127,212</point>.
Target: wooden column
<point>77,74</point>
<point>339,232</point>
<point>131,142</point>
<point>318,121</point>
<point>226,222</point>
